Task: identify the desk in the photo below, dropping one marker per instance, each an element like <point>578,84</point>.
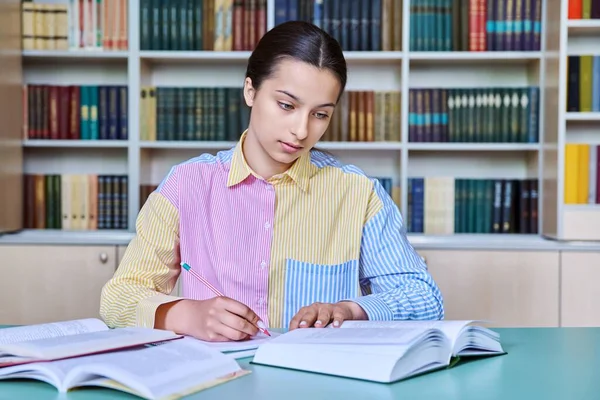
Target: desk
<point>542,363</point>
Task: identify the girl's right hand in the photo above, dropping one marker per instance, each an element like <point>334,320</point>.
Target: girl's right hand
<point>219,319</point>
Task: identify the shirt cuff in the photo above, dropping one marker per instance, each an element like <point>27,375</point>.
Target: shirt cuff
<point>146,309</point>
<point>375,308</point>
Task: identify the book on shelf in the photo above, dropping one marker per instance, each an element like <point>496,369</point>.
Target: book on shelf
<point>474,115</point>
<point>366,116</point>
<point>188,113</point>
<point>75,25</point>
<point>169,369</point>
<point>380,351</point>
<point>583,9</point>
<point>583,83</point>
<point>67,339</point>
<point>75,201</point>
<point>582,173</point>
<point>220,114</point>
<point>188,25</point>
<point>358,25</point>
<point>475,25</point>
<point>447,205</point>
<point>75,112</point>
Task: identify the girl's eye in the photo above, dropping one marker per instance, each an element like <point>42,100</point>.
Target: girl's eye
<point>285,106</point>
<point>321,115</point>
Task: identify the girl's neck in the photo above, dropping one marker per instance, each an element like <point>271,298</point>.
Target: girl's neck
<point>259,160</point>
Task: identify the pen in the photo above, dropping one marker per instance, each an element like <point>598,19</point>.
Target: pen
<point>261,325</point>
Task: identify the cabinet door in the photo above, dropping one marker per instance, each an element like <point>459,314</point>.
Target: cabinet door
<point>51,283</point>
<point>507,288</point>
<point>580,293</point>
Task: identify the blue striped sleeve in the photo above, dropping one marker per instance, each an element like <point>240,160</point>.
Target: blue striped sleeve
<point>390,269</point>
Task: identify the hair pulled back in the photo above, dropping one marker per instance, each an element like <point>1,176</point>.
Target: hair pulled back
<point>297,40</point>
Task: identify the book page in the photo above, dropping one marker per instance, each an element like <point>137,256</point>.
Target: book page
<point>364,336</point>
<point>451,329</point>
<point>54,329</point>
<point>249,344</point>
<point>164,368</point>
<point>85,343</point>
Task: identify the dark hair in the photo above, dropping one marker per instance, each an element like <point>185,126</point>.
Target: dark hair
<point>301,41</point>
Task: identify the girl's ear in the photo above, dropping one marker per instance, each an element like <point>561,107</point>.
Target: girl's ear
<point>249,92</point>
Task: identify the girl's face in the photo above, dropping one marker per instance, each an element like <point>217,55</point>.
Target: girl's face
<point>292,109</point>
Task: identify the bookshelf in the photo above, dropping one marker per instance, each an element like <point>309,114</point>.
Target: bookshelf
<point>146,162</point>
<point>571,210</point>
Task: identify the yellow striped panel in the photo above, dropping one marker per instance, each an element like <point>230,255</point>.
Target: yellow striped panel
<point>150,264</point>
<point>321,225</point>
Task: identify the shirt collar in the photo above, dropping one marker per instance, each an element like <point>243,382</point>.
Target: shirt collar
<point>300,172</point>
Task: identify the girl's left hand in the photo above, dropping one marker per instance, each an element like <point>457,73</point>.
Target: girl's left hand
<point>320,315</point>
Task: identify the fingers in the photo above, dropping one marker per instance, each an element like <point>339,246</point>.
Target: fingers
<point>320,315</point>
<point>295,322</point>
<point>317,315</point>
<point>235,307</point>
<point>239,324</point>
<point>300,319</point>
<point>339,316</point>
<point>214,337</point>
<point>323,316</point>
<point>230,333</point>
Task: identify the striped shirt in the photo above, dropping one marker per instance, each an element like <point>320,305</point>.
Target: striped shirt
<point>321,232</point>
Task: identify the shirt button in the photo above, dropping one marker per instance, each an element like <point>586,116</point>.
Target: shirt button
<point>263,264</point>
<point>260,302</point>
<point>267,225</point>
<point>269,187</point>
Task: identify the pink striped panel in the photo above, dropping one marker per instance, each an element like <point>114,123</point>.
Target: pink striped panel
<point>218,226</point>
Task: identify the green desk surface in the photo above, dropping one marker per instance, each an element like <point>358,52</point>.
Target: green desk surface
<point>542,363</point>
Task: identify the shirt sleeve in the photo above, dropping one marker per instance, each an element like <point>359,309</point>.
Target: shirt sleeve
<point>149,269</point>
<point>400,286</point>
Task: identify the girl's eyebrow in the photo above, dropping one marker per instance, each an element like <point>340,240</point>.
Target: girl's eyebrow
<point>300,101</point>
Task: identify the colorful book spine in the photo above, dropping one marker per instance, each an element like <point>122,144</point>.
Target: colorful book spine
<point>88,112</point>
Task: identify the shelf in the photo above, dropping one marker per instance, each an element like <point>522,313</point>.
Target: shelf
<point>186,145</point>
<point>509,242</point>
<point>368,56</point>
<point>54,236</point>
<point>187,56</point>
<point>359,145</point>
<point>578,27</point>
<point>76,143</point>
<point>582,207</point>
<point>475,56</point>
<point>70,56</point>
<point>162,56</point>
<point>473,146</point>
<point>582,116</point>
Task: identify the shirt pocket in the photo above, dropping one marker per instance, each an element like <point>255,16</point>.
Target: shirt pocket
<point>307,283</point>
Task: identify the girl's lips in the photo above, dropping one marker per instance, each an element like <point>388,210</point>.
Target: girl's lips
<point>289,147</point>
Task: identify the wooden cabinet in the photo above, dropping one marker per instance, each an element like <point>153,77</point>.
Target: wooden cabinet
<point>507,288</point>
<point>43,283</point>
<point>580,289</point>
<point>51,283</point>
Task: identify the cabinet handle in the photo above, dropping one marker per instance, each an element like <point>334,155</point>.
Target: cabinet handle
<point>103,258</point>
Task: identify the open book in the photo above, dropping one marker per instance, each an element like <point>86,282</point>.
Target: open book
<point>57,340</point>
<point>165,370</point>
<point>243,348</point>
<point>379,351</point>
